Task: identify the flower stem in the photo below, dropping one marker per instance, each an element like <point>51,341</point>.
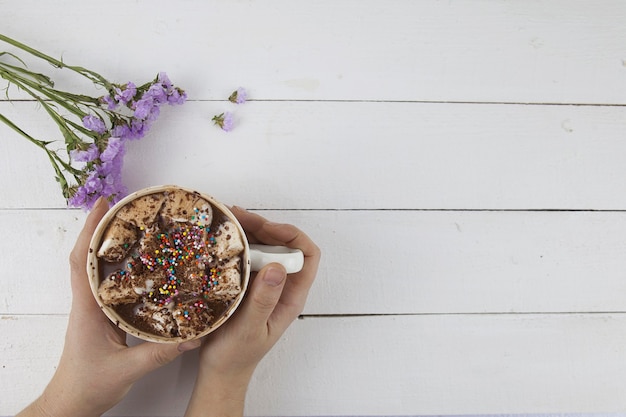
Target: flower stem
<point>28,86</point>
<point>57,162</point>
<point>91,75</point>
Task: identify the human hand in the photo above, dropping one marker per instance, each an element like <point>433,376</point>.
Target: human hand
<point>230,354</point>
<point>97,368</point>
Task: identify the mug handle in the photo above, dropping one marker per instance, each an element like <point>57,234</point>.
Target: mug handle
<point>261,255</point>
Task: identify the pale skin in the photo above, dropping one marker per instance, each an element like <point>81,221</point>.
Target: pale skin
<point>97,367</point>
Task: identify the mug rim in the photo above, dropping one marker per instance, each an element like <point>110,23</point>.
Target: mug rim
<point>94,271</point>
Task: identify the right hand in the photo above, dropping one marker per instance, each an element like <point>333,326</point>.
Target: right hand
<point>229,355</point>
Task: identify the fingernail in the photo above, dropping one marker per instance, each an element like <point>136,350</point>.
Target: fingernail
<point>190,345</point>
<point>274,276</point>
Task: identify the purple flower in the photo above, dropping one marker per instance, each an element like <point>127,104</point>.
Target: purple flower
<point>225,121</point>
<point>94,123</point>
<point>81,199</point>
<point>148,106</point>
<point>143,107</point>
<point>228,122</point>
<point>110,101</point>
<point>88,155</point>
<point>177,96</point>
<point>126,94</point>
<point>138,128</point>
<point>104,179</point>
<point>121,131</point>
<point>165,81</point>
<point>157,93</point>
<point>115,147</point>
<point>239,96</point>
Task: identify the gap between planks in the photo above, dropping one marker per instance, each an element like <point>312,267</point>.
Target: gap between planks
<point>469,210</point>
<point>524,313</point>
<point>444,102</point>
<point>6,316</point>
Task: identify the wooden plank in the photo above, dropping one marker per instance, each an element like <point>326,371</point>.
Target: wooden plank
<point>311,155</point>
<point>406,365</point>
<point>559,51</point>
<point>385,262</point>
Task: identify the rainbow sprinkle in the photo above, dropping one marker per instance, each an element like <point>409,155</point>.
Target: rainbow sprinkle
<point>186,245</point>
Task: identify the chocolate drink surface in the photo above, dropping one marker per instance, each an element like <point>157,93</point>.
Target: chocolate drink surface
<point>171,263</point>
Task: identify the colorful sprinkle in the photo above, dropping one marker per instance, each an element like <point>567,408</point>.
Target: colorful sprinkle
<point>183,246</point>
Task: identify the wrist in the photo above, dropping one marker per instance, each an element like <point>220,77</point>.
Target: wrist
<point>44,406</point>
<point>58,402</point>
<point>219,395</point>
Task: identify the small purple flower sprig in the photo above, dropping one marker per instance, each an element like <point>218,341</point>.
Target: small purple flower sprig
<point>225,120</point>
<point>95,147</point>
<point>102,166</point>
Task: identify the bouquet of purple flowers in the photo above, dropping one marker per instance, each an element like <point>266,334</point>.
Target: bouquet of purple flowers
<point>95,129</point>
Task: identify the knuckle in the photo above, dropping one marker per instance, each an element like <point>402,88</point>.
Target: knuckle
<point>317,252</point>
<point>160,357</point>
<point>76,261</point>
<point>264,302</point>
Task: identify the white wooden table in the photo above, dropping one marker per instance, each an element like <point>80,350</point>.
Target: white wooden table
<point>462,164</point>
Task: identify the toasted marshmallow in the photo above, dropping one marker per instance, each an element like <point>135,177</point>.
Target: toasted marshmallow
<point>192,317</point>
<point>178,206</point>
<point>118,240</point>
<point>158,318</point>
<point>202,213</point>
<point>228,241</point>
<point>117,289</point>
<point>143,211</point>
<point>229,282</point>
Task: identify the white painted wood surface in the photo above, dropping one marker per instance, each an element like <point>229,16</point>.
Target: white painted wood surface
<point>460,163</point>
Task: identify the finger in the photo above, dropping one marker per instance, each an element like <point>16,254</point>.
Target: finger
<point>262,296</point>
<point>147,356</point>
<point>288,235</point>
<point>251,222</point>
<point>296,290</point>
<point>271,233</point>
<point>78,257</point>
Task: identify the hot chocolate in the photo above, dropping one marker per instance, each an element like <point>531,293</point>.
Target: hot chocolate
<point>171,262</point>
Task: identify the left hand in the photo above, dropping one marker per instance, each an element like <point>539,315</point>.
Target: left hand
<point>97,368</point>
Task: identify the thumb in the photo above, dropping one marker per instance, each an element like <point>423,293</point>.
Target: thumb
<point>264,294</point>
<point>147,356</point>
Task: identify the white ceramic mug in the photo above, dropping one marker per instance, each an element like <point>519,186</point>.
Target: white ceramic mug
<point>254,257</point>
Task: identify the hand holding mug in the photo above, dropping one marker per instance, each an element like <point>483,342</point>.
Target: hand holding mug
<point>274,300</point>
<point>97,368</point>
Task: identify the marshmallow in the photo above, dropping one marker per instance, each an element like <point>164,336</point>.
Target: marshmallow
<point>117,289</point>
<point>229,281</point>
<point>228,241</point>
<point>159,319</point>
<point>179,206</point>
<point>192,317</point>
<point>202,213</point>
<point>143,211</point>
<point>118,240</point>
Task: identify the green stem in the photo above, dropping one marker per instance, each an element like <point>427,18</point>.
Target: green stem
<point>71,139</point>
<point>54,158</point>
<point>29,85</point>
<point>40,78</point>
<point>91,75</point>
<point>13,126</point>
<point>44,83</point>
